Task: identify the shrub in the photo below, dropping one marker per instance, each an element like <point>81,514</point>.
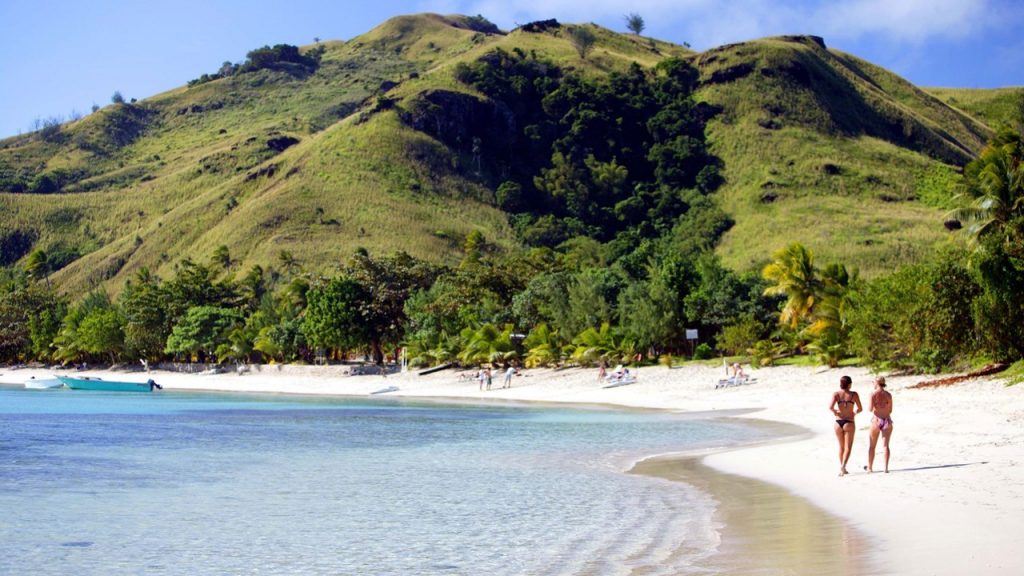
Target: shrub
<point>703,352</point>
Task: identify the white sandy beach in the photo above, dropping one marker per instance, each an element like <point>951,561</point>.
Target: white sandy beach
<point>953,502</point>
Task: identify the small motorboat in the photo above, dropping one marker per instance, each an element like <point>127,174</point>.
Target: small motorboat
<point>34,383</point>
<point>109,385</point>
<point>620,377</point>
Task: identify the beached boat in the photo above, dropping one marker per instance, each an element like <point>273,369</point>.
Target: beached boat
<point>43,383</point>
<point>620,377</point>
<point>108,385</point>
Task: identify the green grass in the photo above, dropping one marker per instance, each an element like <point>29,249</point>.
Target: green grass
<point>1014,374</point>
<point>993,106</point>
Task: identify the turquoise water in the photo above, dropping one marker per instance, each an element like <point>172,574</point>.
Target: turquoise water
<point>202,483</point>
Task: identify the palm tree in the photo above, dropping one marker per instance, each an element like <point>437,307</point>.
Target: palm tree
<point>38,266</point>
<point>487,345</point>
<point>993,190</point>
<point>543,346</point>
<point>793,274</point>
<point>829,330</point>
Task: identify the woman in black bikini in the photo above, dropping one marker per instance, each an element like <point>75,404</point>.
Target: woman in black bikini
<point>843,401</point>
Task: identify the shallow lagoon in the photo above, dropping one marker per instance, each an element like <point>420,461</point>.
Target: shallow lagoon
<point>188,483</point>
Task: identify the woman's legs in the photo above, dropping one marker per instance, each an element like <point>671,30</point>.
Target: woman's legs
<point>886,434</point>
<point>843,447</point>
<point>871,446</point>
<point>849,428</point>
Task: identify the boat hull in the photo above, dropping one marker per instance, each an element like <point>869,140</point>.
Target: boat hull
<point>43,383</point>
<point>106,385</point>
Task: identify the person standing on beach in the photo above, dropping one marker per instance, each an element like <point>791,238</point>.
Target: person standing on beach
<point>487,375</point>
<point>843,402</point>
<point>880,407</point>
<point>509,373</point>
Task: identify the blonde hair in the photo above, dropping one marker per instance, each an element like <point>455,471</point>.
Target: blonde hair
<point>880,381</point>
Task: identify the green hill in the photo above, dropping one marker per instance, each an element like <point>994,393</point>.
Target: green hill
<point>311,154</point>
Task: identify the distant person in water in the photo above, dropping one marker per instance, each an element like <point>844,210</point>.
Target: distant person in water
<point>880,407</point>
<point>842,407</point>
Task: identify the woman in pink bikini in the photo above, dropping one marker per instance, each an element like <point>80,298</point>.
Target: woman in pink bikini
<point>843,402</point>
<point>881,422</point>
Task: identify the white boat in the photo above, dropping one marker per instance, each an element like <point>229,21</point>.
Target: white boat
<point>34,383</point>
<point>620,377</point>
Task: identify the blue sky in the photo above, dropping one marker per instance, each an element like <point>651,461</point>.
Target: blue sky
<point>58,57</point>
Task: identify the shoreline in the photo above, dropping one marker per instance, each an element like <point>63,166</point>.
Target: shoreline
<point>952,503</point>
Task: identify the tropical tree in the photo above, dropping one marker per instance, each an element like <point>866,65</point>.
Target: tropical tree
<point>222,257</point>
<point>387,283</point>
<point>334,317</point>
<point>582,39</point>
<point>604,343</point>
<point>793,275</point>
<point>635,23</point>
<point>203,331</point>
<point>30,317</point>
<point>101,332</point>
<point>488,344</point>
<point>993,193</point>
<point>144,305</point>
<point>544,347</point>
<point>37,266</point>
<point>829,329</point>
<point>91,327</point>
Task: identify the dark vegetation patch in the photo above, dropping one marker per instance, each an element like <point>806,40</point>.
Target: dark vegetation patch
<point>724,75</point>
<point>478,23</point>
<point>281,143</point>
<point>63,218</point>
<point>619,159</point>
<point>263,172</point>
<point>53,181</point>
<point>14,244</point>
<point>59,255</point>
<point>281,57</point>
<point>539,26</point>
<point>200,108</point>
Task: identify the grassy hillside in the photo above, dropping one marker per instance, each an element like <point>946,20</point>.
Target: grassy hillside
<point>992,106</point>
<point>826,149</point>
<point>818,146</point>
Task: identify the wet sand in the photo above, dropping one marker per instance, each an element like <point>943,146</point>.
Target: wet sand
<point>765,529</point>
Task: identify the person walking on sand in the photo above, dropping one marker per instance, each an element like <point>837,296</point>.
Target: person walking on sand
<point>880,407</point>
<point>480,379</point>
<point>843,402</point>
